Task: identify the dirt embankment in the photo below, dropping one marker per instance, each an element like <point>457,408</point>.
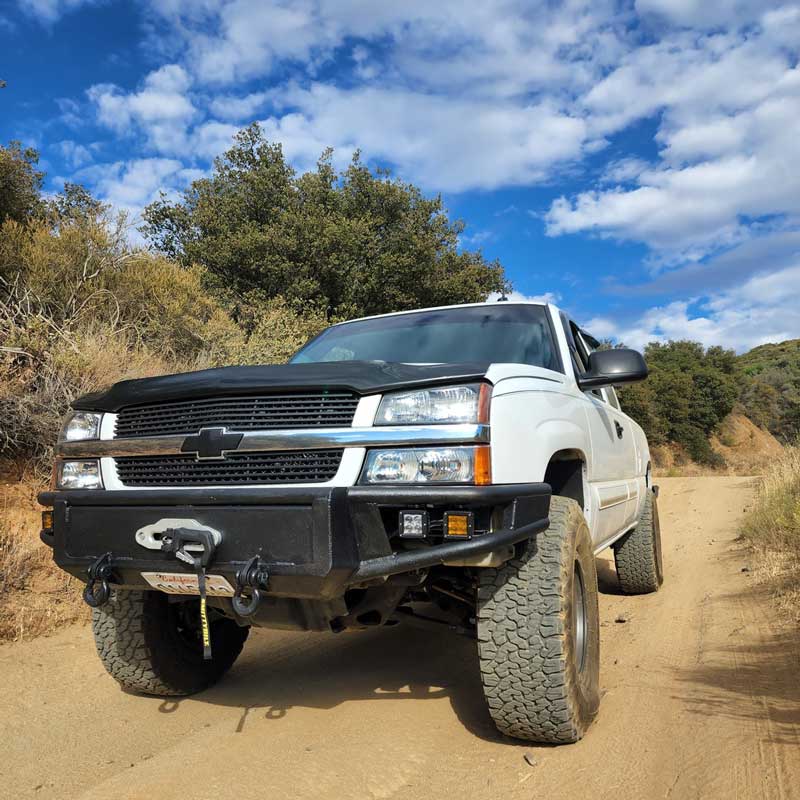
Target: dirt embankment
<point>700,699</point>
<point>35,596</point>
<point>745,448</point>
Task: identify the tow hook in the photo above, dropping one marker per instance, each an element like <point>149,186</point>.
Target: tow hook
<point>101,572</point>
<point>252,577</point>
<point>195,548</point>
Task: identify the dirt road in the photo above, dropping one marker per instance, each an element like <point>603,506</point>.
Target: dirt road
<point>701,699</point>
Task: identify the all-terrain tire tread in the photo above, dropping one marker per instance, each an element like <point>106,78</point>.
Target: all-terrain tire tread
<point>122,647</point>
<point>141,661</point>
<point>634,554</point>
<point>520,621</point>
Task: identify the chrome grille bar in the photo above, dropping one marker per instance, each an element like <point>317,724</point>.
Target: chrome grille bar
<point>297,439</point>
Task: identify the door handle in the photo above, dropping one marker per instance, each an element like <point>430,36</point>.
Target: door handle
<point>620,429</point>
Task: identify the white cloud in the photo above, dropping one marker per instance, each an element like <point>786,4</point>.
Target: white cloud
<point>763,309</point>
<point>729,132</point>
<point>235,109</point>
<point>161,109</point>
<point>520,297</point>
<point>441,142</point>
<point>50,11</point>
<point>772,251</point>
<point>251,36</point>
<point>624,170</point>
<point>76,155</point>
<point>703,14</point>
<point>131,185</point>
<point>212,138</point>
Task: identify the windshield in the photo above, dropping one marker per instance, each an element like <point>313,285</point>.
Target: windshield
<point>506,333</point>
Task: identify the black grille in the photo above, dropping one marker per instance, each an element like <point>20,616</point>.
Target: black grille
<point>240,469</point>
<point>299,410</point>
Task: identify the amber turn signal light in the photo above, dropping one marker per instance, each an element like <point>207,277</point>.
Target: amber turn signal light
<point>483,465</point>
<point>459,524</point>
<point>47,520</point>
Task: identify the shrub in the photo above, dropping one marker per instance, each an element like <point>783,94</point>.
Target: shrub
<point>772,525</point>
<point>79,310</point>
<point>697,445</point>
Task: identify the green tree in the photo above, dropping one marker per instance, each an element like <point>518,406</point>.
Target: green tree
<point>20,183</point>
<point>343,244</point>
<point>76,203</point>
<point>639,401</point>
<point>689,392</point>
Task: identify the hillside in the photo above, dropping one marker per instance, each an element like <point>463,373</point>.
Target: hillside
<point>770,393</point>
<point>783,356</point>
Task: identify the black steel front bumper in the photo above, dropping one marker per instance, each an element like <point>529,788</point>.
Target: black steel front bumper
<point>315,542</point>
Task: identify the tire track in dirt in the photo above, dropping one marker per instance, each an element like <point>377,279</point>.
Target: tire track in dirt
<point>701,699</point>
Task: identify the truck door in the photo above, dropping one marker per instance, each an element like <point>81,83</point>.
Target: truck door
<point>634,469</point>
<point>611,479</point>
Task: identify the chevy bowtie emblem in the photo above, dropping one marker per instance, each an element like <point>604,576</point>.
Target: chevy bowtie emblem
<point>211,443</point>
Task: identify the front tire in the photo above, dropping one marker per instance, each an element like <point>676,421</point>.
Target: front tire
<point>637,554</point>
<point>539,633</point>
<point>152,646</point>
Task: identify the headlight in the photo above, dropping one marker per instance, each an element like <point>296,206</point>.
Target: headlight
<point>437,405</point>
<point>83,474</point>
<point>81,425</point>
<point>428,465</point>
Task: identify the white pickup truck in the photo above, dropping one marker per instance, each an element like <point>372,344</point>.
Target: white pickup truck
<point>453,467</point>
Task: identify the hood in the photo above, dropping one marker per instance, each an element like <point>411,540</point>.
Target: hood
<point>361,377</point>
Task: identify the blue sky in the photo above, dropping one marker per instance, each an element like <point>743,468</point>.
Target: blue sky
<point>636,161</point>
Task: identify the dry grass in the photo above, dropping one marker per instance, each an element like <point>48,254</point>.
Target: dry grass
<point>35,596</point>
<point>772,528</point>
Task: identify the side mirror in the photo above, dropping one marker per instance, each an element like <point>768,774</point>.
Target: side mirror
<point>611,367</point>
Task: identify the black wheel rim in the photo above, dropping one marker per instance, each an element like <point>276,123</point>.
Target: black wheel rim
<point>579,617</point>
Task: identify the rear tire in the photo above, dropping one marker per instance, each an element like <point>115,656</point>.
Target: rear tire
<point>539,633</point>
<point>151,645</point>
<point>637,554</point>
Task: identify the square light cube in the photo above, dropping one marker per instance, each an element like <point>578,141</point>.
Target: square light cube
<point>413,524</point>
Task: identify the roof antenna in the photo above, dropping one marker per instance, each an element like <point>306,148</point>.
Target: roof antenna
<point>502,298</point>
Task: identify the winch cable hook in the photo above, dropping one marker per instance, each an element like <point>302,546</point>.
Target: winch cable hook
<point>253,576</point>
<point>100,572</point>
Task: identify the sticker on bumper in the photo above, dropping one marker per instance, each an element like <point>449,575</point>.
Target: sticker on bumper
<point>180,583</point>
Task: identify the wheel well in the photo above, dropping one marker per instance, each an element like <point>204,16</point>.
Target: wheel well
<point>564,473</point>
